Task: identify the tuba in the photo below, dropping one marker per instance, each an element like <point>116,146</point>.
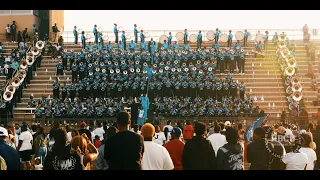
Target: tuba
<point>30,60</point>
<point>111,71</point>
<point>16,82</point>
<point>282,44</point>
<point>132,70</point>
<point>179,69</point>
<point>297,96</point>
<point>284,52</point>
<point>186,69</point>
<point>295,80</point>
<point>210,69</point>
<point>292,63</point>
<point>104,71</point>
<point>137,70</point>
<point>7,95</point>
<point>11,88</point>
<point>117,70</point>
<point>289,90</point>
<point>173,69</point>
<point>22,73</point>
<point>23,64</point>
<point>155,65</point>
<point>145,64</point>
<point>289,71</point>
<point>154,71</point>
<point>40,45</point>
<point>160,70</point>
<point>297,87</point>
<point>123,62</point>
<point>125,72</point>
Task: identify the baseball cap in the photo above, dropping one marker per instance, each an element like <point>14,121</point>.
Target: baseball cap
<point>227,123</point>
<point>3,132</point>
<point>83,123</point>
<point>176,131</point>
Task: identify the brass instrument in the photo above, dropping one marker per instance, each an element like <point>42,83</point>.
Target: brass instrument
<point>97,69</point>
<point>101,63</point>
<point>198,62</point>
<point>173,69</point>
<point>184,64</point>
<point>125,72</point>
<point>137,62</point>
<point>292,63</point>
<point>40,45</point>
<point>138,70</point>
<point>154,71</point>
<point>23,64</point>
<point>117,70</point>
<point>109,62</point>
<point>289,71</point>
<point>179,69</point>
<point>132,70</point>
<point>144,71</point>
<point>89,55</point>
<point>65,50</point>
<point>160,70</point>
<point>155,65</point>
<point>206,63</point>
<point>90,73</point>
<point>166,68</point>
<point>35,51</point>
<point>194,68</point>
<point>7,95</point>
<point>104,71</point>
<point>111,71</point>
<point>16,82</point>
<point>161,63</point>
<point>297,95</point>
<point>116,63</point>
<point>22,73</point>
<point>168,62</point>
<point>176,62</point>
<point>210,69</point>
<point>289,90</point>
<point>201,71</point>
<point>96,63</point>
<point>145,64</point>
<point>295,80</point>
<point>11,88</point>
<point>297,87</point>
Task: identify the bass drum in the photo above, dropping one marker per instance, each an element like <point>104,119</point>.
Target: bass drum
<point>179,36</point>
<point>223,37</point>
<point>105,38</point>
<point>259,37</point>
<point>250,37</point>
<point>193,38</point>
<point>162,38</point>
<point>210,35</point>
<point>239,35</point>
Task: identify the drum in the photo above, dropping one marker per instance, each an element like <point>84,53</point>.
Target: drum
<point>179,36</point>
<point>210,35</point>
<point>259,37</point>
<point>223,37</point>
<point>239,35</point>
<point>249,37</point>
<point>193,38</point>
<point>162,38</point>
<point>88,36</point>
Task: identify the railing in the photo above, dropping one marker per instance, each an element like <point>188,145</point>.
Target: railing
<point>293,34</point>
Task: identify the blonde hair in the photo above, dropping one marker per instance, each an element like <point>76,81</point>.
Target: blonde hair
<point>81,142</point>
<point>147,131</point>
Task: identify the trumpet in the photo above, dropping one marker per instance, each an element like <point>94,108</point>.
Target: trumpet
<point>40,45</point>
<point>297,95</point>
<point>297,87</point>
<point>23,64</point>
<point>125,72</point>
<point>117,70</point>
<point>111,71</point>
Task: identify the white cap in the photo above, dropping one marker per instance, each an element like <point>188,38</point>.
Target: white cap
<point>3,132</point>
<point>227,123</point>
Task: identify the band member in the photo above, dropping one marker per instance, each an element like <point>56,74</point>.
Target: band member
<point>169,39</point>
<point>56,87</point>
<point>221,61</point>
<point>199,40</point>
<point>109,47</point>
<point>64,93</point>
<point>241,89</point>
<point>65,60</point>
<point>115,31</point>
<point>80,89</point>
<point>165,45</point>
<point>230,36</point>
<point>101,44</point>
<point>73,91</point>
<point>216,39</point>
<point>88,90</point>
<point>186,46</point>
<point>83,40</point>
<point>305,29</point>
<point>233,88</point>
<point>141,36</point>
<point>13,31</point>
<point>232,62</point>
<point>266,38</point>
<point>135,31</point>
<point>132,46</point>
<point>245,40</point>
<point>75,33</point>
<point>175,47</point>
<point>258,48</point>
<point>123,37</point>
<point>149,45</point>
<point>74,72</point>
<point>153,49</point>
<point>143,46</point>
<point>275,39</point>
<point>237,45</point>
<point>95,33</point>
<point>120,45</point>
<point>59,68</point>
<point>185,36</point>
<point>82,71</point>
<point>242,61</point>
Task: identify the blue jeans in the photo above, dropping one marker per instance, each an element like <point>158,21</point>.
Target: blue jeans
<point>42,153</point>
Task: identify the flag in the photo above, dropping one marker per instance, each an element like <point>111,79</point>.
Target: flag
<point>253,126</point>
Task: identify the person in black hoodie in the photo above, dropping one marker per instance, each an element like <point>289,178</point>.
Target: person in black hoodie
<point>231,155</point>
<point>257,152</point>
<point>316,139</point>
<point>198,153</point>
<point>61,157</point>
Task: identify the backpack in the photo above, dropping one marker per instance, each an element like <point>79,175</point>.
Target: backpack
<point>3,164</point>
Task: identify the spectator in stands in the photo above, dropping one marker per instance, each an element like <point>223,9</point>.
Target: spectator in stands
<point>87,152</point>
<point>278,150</point>
<point>175,148</point>
<point>83,130</point>
<point>231,155</point>
<point>61,157</point>
<point>217,139</point>
<point>316,138</point>
<point>117,154</point>
<point>257,153</point>
<point>195,158</point>
<point>155,157</point>
<point>188,132</point>
<point>25,146</point>
<point>55,30</point>
<point>9,154</point>
<point>295,160</point>
<point>60,41</point>
<point>8,33</point>
<point>306,148</point>
<point>159,136</point>
<point>15,64</point>
<point>101,163</point>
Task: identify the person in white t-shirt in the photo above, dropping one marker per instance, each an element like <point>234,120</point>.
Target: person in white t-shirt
<point>25,146</point>
<point>99,131</point>
<point>167,130</point>
<point>159,136</point>
<point>8,32</point>
<point>155,157</point>
<point>295,160</point>
<point>135,128</point>
<point>311,154</point>
<point>217,139</point>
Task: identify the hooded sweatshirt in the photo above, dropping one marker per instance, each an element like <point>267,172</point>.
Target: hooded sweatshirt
<point>230,157</point>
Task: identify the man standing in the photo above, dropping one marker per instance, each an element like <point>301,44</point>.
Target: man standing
<point>95,33</point>
<point>124,40</point>
<point>54,32</point>
<point>83,130</point>
<point>75,33</point>
<point>217,139</point>
<point>169,39</point>
<point>188,132</point>
<point>13,29</point>
<point>246,35</point>
<point>25,35</point>
<point>159,136</point>
<point>8,153</point>
<point>116,149</point>
<point>115,31</point>
<point>199,40</point>
<point>175,148</point>
<point>230,36</point>
<point>135,31</point>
